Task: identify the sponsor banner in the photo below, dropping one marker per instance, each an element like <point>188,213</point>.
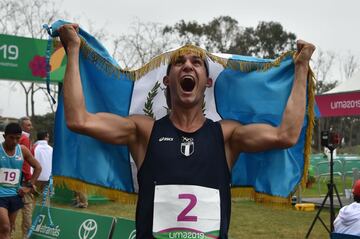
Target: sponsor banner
<point>23,58</point>
<point>124,229</point>
<point>342,104</point>
<point>70,224</point>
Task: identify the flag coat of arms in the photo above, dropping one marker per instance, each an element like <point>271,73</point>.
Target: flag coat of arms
<point>245,89</point>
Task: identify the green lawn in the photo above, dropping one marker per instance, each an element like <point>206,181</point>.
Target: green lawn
<point>314,191</point>
<point>249,219</point>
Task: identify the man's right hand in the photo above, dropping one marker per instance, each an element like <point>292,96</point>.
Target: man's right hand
<point>24,190</point>
<point>69,36</point>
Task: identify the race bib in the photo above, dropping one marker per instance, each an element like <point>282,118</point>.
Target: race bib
<point>9,176</point>
<point>186,211</point>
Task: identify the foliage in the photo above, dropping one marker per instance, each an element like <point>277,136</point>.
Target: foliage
<point>144,41</point>
<point>44,123</point>
<point>223,34</point>
<point>25,18</point>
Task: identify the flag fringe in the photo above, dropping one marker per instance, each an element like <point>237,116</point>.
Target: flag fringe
<point>250,193</point>
<point>248,66</point>
<point>78,185</point>
<point>310,128</point>
<point>169,57</point>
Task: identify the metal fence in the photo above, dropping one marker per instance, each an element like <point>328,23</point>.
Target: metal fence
<point>345,166</point>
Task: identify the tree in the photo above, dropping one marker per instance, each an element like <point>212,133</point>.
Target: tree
<point>218,35</point>
<point>267,40</point>
<point>322,66</point>
<point>25,18</point>
<point>349,64</point>
<point>44,123</point>
<point>186,33</point>
<point>223,34</point>
<point>144,41</point>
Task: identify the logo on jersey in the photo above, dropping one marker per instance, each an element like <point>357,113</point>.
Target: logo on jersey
<point>187,146</point>
<point>166,139</point>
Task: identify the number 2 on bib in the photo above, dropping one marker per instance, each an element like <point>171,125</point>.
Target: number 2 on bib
<point>183,216</point>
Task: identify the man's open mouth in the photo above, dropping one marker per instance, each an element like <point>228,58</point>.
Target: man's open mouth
<point>187,84</point>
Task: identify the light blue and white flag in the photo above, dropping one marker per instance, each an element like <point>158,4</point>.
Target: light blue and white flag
<point>246,89</point>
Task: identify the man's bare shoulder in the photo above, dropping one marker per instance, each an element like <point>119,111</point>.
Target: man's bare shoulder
<point>142,122</point>
<point>24,149</point>
<point>138,118</point>
<point>229,124</point>
<point>228,127</point>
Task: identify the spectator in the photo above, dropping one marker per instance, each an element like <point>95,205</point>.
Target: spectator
<point>28,198</point>
<point>348,220</point>
<point>43,154</point>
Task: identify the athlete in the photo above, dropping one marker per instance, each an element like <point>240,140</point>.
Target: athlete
<point>12,157</point>
<point>184,159</point>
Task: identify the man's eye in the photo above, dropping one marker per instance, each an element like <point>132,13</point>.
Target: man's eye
<point>197,62</point>
<point>179,62</point>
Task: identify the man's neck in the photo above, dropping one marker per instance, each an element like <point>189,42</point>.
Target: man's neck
<point>26,134</point>
<point>8,151</point>
<point>42,141</point>
<point>187,120</point>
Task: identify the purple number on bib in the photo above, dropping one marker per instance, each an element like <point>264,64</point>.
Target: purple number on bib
<point>183,215</point>
<point>12,176</point>
<point>9,176</point>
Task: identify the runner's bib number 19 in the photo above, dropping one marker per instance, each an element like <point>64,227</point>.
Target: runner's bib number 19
<point>186,211</point>
<point>9,176</point>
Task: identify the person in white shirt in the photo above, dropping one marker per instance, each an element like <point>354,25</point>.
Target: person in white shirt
<point>348,219</point>
<point>43,154</point>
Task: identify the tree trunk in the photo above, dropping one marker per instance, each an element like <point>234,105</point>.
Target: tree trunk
<point>350,133</point>
<point>32,100</point>
<point>319,134</point>
<point>26,98</point>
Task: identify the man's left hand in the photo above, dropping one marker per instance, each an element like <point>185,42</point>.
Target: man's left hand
<point>304,52</point>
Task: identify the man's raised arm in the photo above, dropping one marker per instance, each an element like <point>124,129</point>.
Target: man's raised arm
<point>260,137</point>
<point>108,127</point>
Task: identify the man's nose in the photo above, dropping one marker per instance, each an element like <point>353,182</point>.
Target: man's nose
<point>188,66</point>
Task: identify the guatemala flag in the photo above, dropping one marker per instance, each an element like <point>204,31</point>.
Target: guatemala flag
<point>246,89</point>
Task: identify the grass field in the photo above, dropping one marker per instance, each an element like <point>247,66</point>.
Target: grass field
<point>249,220</point>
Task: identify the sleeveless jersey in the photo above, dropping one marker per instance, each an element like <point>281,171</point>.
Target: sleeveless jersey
<point>10,172</point>
<point>175,157</point>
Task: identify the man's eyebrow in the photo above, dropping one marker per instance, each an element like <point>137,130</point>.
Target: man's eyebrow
<point>178,58</point>
<point>197,58</point>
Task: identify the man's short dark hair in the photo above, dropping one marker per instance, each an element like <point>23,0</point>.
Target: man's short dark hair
<point>41,135</point>
<point>357,198</point>
<point>13,128</point>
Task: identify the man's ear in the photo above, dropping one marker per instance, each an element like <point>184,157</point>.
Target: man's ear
<point>166,80</point>
<point>209,82</point>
